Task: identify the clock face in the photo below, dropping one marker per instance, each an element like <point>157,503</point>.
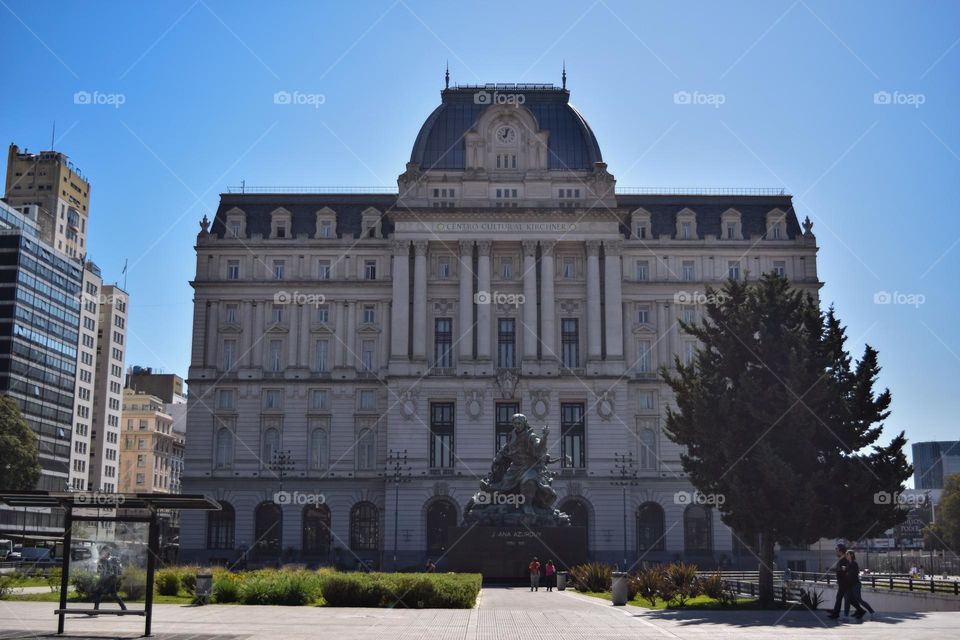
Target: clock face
<point>506,135</point>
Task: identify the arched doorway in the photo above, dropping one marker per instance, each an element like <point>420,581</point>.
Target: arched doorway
<point>697,532</point>
<point>650,528</point>
<point>220,527</point>
<point>316,530</point>
<point>441,514</point>
<point>268,530</point>
<point>365,527</point>
<point>579,514</point>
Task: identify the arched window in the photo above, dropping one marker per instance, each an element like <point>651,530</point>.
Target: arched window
<point>441,514</point>
<point>220,526</point>
<point>316,530</point>
<point>697,536</point>
<point>578,512</point>
<point>366,450</point>
<point>224,448</point>
<point>318,449</point>
<point>364,527</point>
<point>650,526</point>
<point>271,446</point>
<point>268,529</point>
<point>648,449</point>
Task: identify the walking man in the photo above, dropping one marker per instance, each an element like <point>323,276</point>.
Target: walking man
<point>844,584</point>
<point>110,571</point>
<point>534,568</point>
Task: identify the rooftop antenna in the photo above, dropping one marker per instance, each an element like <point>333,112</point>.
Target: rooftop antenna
<point>53,135</point>
<point>564,76</point>
<point>124,274</point>
<point>447,76</point>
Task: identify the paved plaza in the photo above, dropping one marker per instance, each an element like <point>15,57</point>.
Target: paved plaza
<point>502,613</point>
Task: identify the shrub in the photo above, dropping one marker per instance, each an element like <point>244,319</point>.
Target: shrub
<point>53,579</point>
<point>352,590</point>
<point>226,587</point>
<point>680,584</point>
<point>168,582</point>
<point>712,586</point>
<point>811,599</point>
<point>133,583</point>
<point>592,577</point>
<point>84,585</point>
<point>9,582</point>
<point>415,591</point>
<point>648,584</point>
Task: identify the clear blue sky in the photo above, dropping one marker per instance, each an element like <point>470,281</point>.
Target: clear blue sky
<point>796,81</point>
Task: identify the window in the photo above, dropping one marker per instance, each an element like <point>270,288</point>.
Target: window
<point>271,446</point>
<point>367,349</point>
<point>220,527</point>
<point>441,515</point>
<point>229,354</point>
<point>319,399</point>
<point>369,269</point>
<point>272,399</point>
<point>278,268</point>
<point>780,268</point>
<point>689,273</point>
<point>326,228</point>
<point>645,400</point>
<point>503,425</point>
<point>643,314</point>
<point>368,399</point>
<point>318,449</point>
<point>506,267</point>
<point>731,231</point>
<point>443,267</point>
<point>696,530</point>
<point>233,269</point>
<point>366,450</point>
<point>641,231</point>
<point>733,269</point>
<point>234,227</point>
<point>441,435</point>
<point>644,363</point>
<point>776,232</point>
<point>572,435</point>
<point>506,343</point>
<point>364,527</point>
<point>140,479</point>
<point>686,230</point>
<point>231,313</point>
<point>141,460</point>
<point>689,352</point>
<point>316,530</point>
<point>648,449</point>
<point>642,270</point>
<point>569,269</point>
<point>223,449</point>
<point>688,314</point>
<point>322,359</point>
<point>369,314</point>
<point>276,313</point>
<point>570,342</point>
<point>226,399</point>
<point>323,270</point>
<point>443,343</point>
<point>323,314</point>
<point>268,529</point>
<point>650,527</point>
<point>276,356</point>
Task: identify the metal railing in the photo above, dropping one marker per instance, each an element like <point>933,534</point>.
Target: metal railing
<point>652,191</point>
<point>893,582</point>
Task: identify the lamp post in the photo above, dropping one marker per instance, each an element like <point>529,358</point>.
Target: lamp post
<point>397,471</point>
<point>281,464</point>
<point>626,477</point>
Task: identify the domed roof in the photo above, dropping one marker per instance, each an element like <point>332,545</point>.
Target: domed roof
<point>440,143</point>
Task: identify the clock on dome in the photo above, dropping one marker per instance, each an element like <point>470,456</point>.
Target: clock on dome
<point>506,135</point>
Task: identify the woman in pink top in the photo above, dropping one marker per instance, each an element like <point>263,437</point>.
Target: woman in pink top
<point>550,573</point>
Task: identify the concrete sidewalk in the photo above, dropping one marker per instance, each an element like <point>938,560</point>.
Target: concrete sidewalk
<point>503,613</point>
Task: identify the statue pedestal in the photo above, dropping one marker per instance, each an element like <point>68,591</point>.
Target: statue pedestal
<point>503,553</point>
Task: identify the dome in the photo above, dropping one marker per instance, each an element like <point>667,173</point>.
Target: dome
<point>441,141</point>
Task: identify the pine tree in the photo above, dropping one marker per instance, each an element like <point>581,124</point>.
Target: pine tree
<point>19,466</point>
<point>775,417</point>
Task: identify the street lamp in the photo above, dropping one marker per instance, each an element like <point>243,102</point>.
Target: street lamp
<point>281,464</point>
<point>627,469</point>
<point>397,471</point>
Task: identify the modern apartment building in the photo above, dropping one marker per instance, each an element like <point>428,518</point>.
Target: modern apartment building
<point>108,389</point>
<point>151,451</point>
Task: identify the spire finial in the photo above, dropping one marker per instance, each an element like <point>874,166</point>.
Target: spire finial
<point>564,74</point>
<point>447,76</point>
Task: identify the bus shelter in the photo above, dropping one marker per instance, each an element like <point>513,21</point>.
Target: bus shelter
<point>136,513</point>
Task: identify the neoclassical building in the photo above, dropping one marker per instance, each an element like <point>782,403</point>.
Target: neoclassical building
<point>357,356</point>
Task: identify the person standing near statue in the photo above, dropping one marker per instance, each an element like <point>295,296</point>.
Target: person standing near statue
<point>534,568</point>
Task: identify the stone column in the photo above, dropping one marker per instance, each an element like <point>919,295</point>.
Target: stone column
<point>530,299</point>
<point>247,312</point>
<point>594,318</point>
<point>259,311</point>
<point>340,311</point>
<point>350,357</point>
<point>484,315</point>
<point>547,312</point>
<point>466,300</point>
<point>294,333</point>
<point>212,330</point>
<point>400,311</point>
<point>613,282</point>
<point>420,299</point>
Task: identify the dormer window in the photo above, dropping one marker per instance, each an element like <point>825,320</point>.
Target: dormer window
<point>686,230</point>
<point>776,225</point>
<point>236,223</point>
<point>281,231</point>
<point>234,228</point>
<point>326,223</point>
<point>775,232</point>
<point>280,223</point>
<point>370,223</point>
<point>326,229</point>
<point>686,225</point>
<point>730,225</point>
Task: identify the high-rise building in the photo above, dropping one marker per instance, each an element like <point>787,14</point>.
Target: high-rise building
<point>151,451</point>
<point>86,378</point>
<point>108,390</point>
<point>51,182</point>
<point>39,323</point>
<point>166,386</point>
<point>507,274</point>
<point>933,462</point>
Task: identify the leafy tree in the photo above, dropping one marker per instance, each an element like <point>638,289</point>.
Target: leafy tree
<point>20,468</point>
<point>947,526</point>
<point>774,415</point>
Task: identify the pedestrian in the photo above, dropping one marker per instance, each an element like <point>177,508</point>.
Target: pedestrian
<point>431,567</point>
<point>109,570</point>
<point>843,584</point>
<point>550,573</point>
<point>534,569</point>
<point>853,571</point>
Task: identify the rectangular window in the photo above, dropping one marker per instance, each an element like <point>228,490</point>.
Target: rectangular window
<point>233,269</point>
<point>570,342</point>
<point>367,349</point>
<point>503,425</point>
<point>572,435</point>
<point>775,232</point>
<point>506,267</point>
<point>319,400</point>
<point>368,399</point>
<point>231,313</point>
<point>229,354</point>
<point>780,268</point>
<point>688,315</point>
<point>642,270</point>
<point>569,267</point>
<point>276,351</point>
<point>441,435</point>
<point>234,229</point>
<point>731,231</point>
<point>686,230</point>
<point>323,270</point>
<point>279,266</point>
<point>225,399</point>
<point>643,359</point>
<point>646,400</point>
<point>733,269</point>
<point>272,399</point>
<point>276,313</point>
<point>643,314</point>
<point>326,229</point>
<point>323,346</point>
<point>369,269</point>
<point>323,314</point>
<point>642,231</point>
<point>369,314</point>
<point>689,274</point>
<point>443,343</point>
<point>506,343</point>
<point>689,351</point>
<point>443,267</point>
